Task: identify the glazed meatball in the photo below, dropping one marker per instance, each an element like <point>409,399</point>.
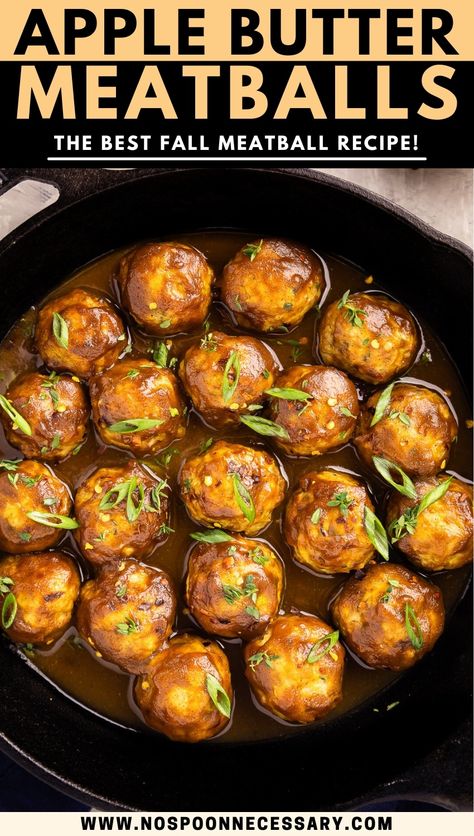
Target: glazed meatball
<point>137,405</point>
<point>187,693</point>
<point>44,588</point>
<point>56,411</point>
<point>415,431</point>
<point>232,486</point>
<point>390,617</point>
<point>368,335</point>
<point>324,522</point>
<point>226,377</point>
<point>166,287</point>
<point>324,418</point>
<point>26,488</point>
<point>440,537</point>
<point>127,613</point>
<point>122,512</point>
<point>234,588</point>
<point>272,283</point>
<point>79,332</point>
<point>295,669</point>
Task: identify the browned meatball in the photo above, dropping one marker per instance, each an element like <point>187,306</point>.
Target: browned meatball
<point>31,488</point>
<point>122,512</point>
<point>37,596</point>
<point>325,416</point>
<point>232,486</point>
<point>166,287</point>
<point>234,588</point>
<point>295,669</point>
<point>390,617</point>
<point>415,430</point>
<point>79,332</point>
<point>325,522</point>
<point>56,411</point>
<point>187,693</point>
<point>127,613</point>
<point>226,377</point>
<point>272,283</point>
<point>137,405</point>
<point>368,335</point>
<point>440,535</point>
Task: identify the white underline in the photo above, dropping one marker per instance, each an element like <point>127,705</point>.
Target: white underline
<point>233,159</point>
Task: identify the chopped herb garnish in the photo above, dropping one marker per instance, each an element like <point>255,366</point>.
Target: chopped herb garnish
<point>266,374</point>
<point>231,593</point>
<point>204,445</point>
<point>243,498</point>
<point>402,416</point>
<point>426,357</point>
<point>262,656</point>
<point>29,481</point>
<point>19,422</point>
<point>384,466</point>
<point>130,625</point>
<point>392,584</point>
<point>132,374</point>
<point>382,404</point>
<point>324,645</point>
<point>351,313</point>
<point>215,536</point>
<point>60,330</point>
<point>253,612</point>
<point>231,376</point>
<point>252,250</point>
<point>56,441</point>
<point>406,524</point>
<point>158,493</point>
<point>165,323</point>
<point>208,342</point>
<point>121,590</point>
<point>316,516</point>
<point>25,536</point>
<point>174,411</point>
<point>258,556</point>
<point>160,354</point>
<point>53,520</point>
<point>166,457</point>
<point>288,394</point>
<point>165,529</point>
<point>5,584</point>
<point>50,500</point>
<point>133,425</point>
<point>413,628</point>
<point>13,478</point>
<point>10,464</point>
<point>264,426</point>
<point>341,501</point>
<point>218,695</point>
<point>376,532</point>
<point>345,411</point>
<point>9,610</point>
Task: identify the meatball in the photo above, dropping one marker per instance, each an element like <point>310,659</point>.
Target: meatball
<point>79,332</point>
<point>325,522</point>
<point>54,408</point>
<point>272,283</point>
<point>27,488</point>
<point>390,617</point>
<point>324,418</point>
<point>415,430</point>
<point>234,588</point>
<point>295,669</point>
<point>122,512</point>
<point>440,537</point>
<point>137,405</point>
<point>166,287</point>
<point>187,693</point>
<point>368,335</point>
<point>227,376</point>
<point>232,486</point>
<point>38,592</point>
<point>127,613</point>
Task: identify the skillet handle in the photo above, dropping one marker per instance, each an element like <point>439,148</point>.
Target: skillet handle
<point>27,192</point>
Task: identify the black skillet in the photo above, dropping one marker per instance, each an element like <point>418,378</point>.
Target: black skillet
<point>423,748</point>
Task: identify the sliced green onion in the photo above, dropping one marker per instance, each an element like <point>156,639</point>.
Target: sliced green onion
<point>432,496</point>
<point>382,404</point>
<point>264,426</point>
<point>216,536</point>
<point>229,386</point>
<point>376,532</point>
<point>133,425</point>
<point>316,516</point>
<point>252,250</point>
<point>318,650</point>
<point>218,695</point>
<point>288,394</point>
<point>60,330</point>
<point>18,420</point>
<point>384,466</point>
<point>413,628</point>
<point>9,610</point>
<point>160,355</point>
<point>114,496</point>
<point>10,464</point>
<point>52,520</point>
<point>134,511</point>
<point>243,498</point>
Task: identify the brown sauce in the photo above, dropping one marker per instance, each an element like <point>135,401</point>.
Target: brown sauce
<point>101,687</point>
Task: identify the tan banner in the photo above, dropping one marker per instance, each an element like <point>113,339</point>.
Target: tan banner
<point>215,30</point>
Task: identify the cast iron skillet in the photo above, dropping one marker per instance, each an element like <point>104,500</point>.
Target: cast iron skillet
<point>422,748</point>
